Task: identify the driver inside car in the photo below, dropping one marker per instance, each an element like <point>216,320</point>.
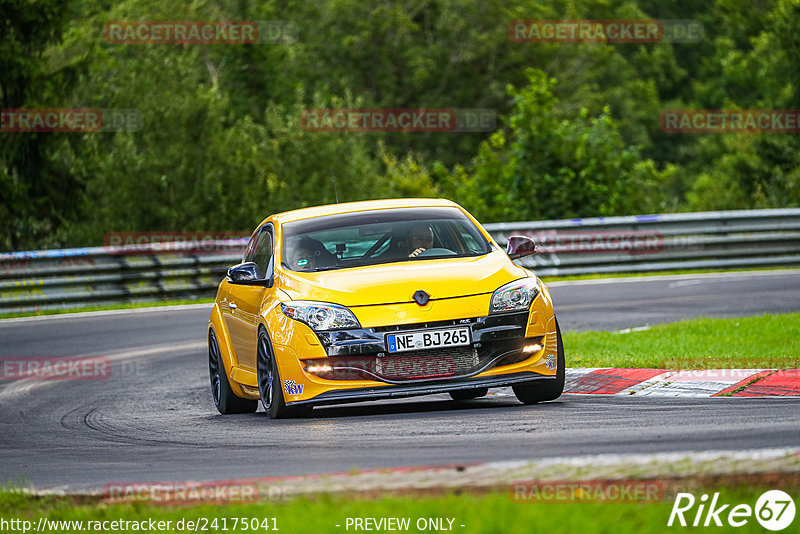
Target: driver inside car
<point>420,239</point>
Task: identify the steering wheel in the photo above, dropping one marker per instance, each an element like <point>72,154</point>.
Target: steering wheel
<point>436,252</point>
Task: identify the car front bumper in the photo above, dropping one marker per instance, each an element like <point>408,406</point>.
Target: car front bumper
<point>494,358</point>
<point>340,396</point>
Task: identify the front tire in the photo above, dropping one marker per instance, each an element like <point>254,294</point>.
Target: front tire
<point>225,399</point>
<point>269,382</point>
<point>545,390</point>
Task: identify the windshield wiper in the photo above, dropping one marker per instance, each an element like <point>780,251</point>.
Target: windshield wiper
<point>326,268</point>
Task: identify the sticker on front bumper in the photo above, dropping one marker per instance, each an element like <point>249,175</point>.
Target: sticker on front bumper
<point>551,362</point>
<point>293,388</point>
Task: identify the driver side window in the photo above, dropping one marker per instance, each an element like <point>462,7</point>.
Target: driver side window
<point>263,252</point>
<point>259,250</point>
<point>251,246</point>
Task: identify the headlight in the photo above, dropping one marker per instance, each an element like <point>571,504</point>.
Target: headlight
<point>515,296</point>
<point>320,315</point>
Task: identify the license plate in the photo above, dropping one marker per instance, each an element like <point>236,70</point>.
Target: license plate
<point>428,339</point>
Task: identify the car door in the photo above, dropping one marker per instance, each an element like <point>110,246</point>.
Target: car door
<point>244,301</point>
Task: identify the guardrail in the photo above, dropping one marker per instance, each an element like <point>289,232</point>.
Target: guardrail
<point>646,243</point>
<point>52,279</point>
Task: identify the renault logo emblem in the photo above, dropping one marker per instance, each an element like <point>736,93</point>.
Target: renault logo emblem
<point>421,298</point>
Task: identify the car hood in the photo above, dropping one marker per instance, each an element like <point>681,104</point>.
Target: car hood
<point>397,282</point>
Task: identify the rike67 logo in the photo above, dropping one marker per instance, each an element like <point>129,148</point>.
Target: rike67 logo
<point>774,510</point>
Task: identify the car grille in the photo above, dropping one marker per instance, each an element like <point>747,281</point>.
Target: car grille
<point>429,364</point>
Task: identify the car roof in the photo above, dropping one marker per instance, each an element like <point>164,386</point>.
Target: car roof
<point>353,207</point>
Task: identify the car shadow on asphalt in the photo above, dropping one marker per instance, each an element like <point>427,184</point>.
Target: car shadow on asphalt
<point>417,407</point>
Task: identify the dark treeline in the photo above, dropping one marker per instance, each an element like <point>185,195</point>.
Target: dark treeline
<point>221,144</point>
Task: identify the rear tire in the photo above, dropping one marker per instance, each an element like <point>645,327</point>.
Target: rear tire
<point>545,390</point>
<point>269,383</point>
<point>225,399</point>
<point>468,394</point>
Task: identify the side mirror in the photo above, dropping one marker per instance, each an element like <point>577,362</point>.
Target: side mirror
<point>520,246</point>
<point>247,274</point>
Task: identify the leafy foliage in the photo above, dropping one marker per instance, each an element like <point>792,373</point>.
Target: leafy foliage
<point>550,166</point>
<point>222,145</point>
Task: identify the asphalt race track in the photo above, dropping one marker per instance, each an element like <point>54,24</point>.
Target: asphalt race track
<point>152,419</point>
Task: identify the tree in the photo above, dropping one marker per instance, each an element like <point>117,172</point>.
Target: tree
<point>751,170</point>
<point>549,166</point>
<point>38,193</point>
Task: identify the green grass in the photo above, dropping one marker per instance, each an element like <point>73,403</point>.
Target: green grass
<point>547,279</point>
<point>767,341</point>
<point>129,306</point>
<point>493,513</point>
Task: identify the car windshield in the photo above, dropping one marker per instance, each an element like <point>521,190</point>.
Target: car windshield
<point>381,236</point>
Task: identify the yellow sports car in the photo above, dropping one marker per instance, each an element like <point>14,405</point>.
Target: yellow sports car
<point>379,299</point>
